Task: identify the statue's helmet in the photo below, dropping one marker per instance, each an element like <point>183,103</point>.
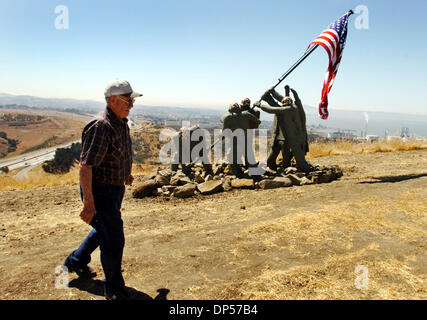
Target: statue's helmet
<point>246,102</point>
<point>287,101</point>
<point>233,108</point>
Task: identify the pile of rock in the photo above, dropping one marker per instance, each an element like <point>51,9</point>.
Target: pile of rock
<point>196,180</point>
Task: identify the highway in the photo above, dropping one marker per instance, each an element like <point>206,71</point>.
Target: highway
<point>32,159</point>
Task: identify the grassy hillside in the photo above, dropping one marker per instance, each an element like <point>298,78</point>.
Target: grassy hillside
<point>35,132</point>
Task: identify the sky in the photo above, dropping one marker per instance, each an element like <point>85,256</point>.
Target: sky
<point>200,53</point>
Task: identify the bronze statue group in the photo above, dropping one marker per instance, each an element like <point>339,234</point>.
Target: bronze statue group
<point>289,134</point>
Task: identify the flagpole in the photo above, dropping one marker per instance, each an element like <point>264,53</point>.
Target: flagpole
<point>296,64</point>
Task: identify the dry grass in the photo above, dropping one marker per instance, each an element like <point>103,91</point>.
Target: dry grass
<point>37,178</point>
<point>314,253</point>
<point>321,149</point>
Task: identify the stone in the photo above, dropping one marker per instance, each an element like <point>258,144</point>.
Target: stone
<point>210,187</point>
<point>326,176</point>
<point>243,183</point>
<point>184,181</point>
<point>226,184</point>
<point>161,180</point>
<point>217,169</point>
<point>166,173</point>
<point>337,171</point>
<point>290,170</point>
<point>158,192</point>
<point>168,188</point>
<point>227,170</point>
<point>184,191</point>
<point>278,182</point>
<point>174,181</point>
<point>305,181</point>
<point>179,178</point>
<point>315,179</point>
<point>269,172</point>
<point>295,179</point>
<point>198,178</point>
<point>146,189</point>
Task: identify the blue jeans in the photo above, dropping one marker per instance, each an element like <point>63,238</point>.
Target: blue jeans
<point>107,233</point>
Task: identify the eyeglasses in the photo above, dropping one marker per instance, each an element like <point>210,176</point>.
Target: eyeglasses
<point>129,102</point>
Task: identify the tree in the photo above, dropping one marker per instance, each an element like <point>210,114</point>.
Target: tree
<point>63,160</point>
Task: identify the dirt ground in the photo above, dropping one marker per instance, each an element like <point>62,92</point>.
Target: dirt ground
<point>361,237</point>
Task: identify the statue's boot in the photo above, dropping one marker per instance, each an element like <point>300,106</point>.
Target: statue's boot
<point>272,156</point>
<point>286,154</point>
<point>236,171</point>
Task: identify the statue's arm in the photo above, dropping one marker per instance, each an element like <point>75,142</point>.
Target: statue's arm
<point>296,98</point>
<point>299,105</point>
<point>273,110</point>
<point>253,121</point>
<point>276,95</point>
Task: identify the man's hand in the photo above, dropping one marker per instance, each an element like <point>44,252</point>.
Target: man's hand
<point>257,104</point>
<point>88,202</point>
<point>88,212</point>
<point>129,180</point>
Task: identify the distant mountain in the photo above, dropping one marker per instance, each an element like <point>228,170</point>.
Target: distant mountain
<point>379,123</point>
<point>57,103</point>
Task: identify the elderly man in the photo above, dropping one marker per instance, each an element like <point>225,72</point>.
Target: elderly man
<point>105,169</point>
<point>289,129</point>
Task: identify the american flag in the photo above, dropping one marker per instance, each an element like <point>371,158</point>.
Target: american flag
<point>333,41</point>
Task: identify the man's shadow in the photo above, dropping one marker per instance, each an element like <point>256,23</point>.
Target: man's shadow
<point>96,287</point>
<point>394,179</point>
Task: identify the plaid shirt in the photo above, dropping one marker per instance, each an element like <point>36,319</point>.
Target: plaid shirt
<point>107,147</point>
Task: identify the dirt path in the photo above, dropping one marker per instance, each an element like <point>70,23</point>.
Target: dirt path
<point>290,243</point>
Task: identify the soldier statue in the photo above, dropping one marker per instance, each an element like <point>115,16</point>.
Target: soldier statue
<point>289,129</point>
<point>183,158</point>
<point>240,119</point>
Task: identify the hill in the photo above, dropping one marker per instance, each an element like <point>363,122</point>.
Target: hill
<point>35,130</point>
<point>302,242</point>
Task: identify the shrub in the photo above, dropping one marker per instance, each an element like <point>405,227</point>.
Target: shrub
<point>63,160</point>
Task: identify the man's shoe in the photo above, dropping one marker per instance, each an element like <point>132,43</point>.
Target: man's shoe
<point>83,272</point>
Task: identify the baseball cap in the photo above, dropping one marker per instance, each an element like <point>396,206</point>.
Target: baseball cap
<point>120,87</point>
